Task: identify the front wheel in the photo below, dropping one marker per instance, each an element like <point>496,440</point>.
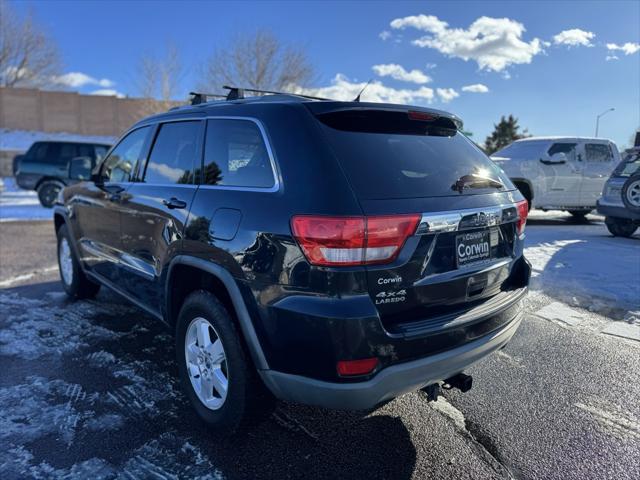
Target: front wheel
<point>216,374</point>
<point>48,192</point>
<point>620,227</point>
<point>74,281</point>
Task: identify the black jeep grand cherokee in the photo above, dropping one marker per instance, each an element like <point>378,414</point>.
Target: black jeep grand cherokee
<point>331,253</point>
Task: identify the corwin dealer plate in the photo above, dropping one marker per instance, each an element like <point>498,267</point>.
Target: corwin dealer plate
<point>472,247</point>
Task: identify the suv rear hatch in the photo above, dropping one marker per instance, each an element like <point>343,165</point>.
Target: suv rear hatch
<point>462,257</point>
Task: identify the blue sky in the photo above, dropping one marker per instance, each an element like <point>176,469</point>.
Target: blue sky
<point>555,83</point>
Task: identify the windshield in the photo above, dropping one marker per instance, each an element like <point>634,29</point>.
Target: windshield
<point>628,166</point>
<point>390,164</point>
<point>523,150</point>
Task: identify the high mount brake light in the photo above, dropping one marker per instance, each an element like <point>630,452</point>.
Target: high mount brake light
<point>416,115</point>
<point>523,212</point>
<point>343,241</point>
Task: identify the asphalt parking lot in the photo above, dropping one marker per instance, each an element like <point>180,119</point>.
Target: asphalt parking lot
<point>88,389</point>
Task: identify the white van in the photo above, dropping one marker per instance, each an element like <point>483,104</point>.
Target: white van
<point>559,173</point>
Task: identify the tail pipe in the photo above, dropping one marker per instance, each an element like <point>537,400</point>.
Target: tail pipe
<point>460,381</point>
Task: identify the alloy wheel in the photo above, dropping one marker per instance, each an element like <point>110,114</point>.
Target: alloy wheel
<point>66,262</point>
<point>206,363</point>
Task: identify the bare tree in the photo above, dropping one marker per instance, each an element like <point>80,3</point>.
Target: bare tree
<point>28,57</point>
<point>158,79</point>
<point>259,60</point>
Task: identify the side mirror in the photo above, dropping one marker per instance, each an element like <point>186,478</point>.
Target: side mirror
<point>80,168</point>
<point>559,157</point>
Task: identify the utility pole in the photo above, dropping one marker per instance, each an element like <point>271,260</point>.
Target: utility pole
<point>601,115</point>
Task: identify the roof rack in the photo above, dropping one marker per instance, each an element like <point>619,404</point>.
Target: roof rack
<point>236,93</point>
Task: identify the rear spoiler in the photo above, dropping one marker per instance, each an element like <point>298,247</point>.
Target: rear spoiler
<point>327,107</point>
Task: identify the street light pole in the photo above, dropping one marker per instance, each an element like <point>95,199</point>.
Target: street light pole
<point>601,115</point>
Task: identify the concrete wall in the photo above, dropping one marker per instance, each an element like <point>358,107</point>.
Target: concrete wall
<point>70,112</point>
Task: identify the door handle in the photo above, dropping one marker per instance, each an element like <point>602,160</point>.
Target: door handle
<point>549,162</point>
<point>173,202</point>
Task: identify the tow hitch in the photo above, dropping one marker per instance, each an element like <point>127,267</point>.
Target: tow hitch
<point>460,381</point>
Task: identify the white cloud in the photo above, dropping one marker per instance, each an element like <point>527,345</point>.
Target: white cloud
<point>107,92</point>
<point>398,73</point>
<point>342,88</point>
<point>385,35</point>
<point>608,58</point>
<point>430,66</point>
<point>574,38</point>
<point>628,48</point>
<point>475,88</point>
<point>447,94</point>
<point>494,43</point>
<point>79,79</point>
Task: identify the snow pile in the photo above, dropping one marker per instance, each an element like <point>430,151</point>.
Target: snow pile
<point>583,265</point>
<point>17,204</point>
<point>21,140</point>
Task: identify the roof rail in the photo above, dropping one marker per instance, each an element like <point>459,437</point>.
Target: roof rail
<point>236,92</point>
<point>199,97</point>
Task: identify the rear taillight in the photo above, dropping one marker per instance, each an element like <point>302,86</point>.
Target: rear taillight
<point>341,241</point>
<point>523,212</point>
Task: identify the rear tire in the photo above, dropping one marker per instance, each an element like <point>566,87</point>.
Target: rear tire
<point>48,192</point>
<point>580,214</point>
<point>216,374</point>
<point>74,281</point>
<point>620,227</point>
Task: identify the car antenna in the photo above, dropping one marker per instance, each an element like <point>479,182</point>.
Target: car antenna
<point>357,99</point>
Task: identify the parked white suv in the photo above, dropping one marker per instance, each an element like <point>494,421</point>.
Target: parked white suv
<point>559,173</point>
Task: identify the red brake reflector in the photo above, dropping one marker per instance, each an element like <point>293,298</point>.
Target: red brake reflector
<point>523,213</point>
<point>357,367</point>
<point>423,116</point>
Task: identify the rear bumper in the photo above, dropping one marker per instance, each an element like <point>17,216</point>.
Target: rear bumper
<point>390,382</point>
<point>28,181</point>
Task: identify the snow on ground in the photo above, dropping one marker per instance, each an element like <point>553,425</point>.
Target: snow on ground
<point>17,204</point>
<point>21,140</point>
<point>583,265</point>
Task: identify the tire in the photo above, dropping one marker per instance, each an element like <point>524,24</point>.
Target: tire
<point>48,192</point>
<point>219,358</point>
<point>620,227</point>
<point>631,193</point>
<point>74,281</point>
<point>580,214</point>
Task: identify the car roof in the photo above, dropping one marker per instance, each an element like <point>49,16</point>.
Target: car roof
<point>557,138</point>
<point>318,106</point>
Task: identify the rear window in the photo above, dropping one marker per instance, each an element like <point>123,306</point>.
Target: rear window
<point>390,156</point>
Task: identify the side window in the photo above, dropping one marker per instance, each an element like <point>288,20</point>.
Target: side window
<point>66,153</point>
<point>597,152</point>
<point>118,166</point>
<point>236,155</point>
<point>173,154</point>
<point>100,151</point>
<point>569,149</point>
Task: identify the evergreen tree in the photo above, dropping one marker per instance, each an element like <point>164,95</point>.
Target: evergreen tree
<point>504,133</point>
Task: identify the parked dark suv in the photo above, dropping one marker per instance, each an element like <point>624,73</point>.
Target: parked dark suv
<point>331,253</point>
<point>45,166</point>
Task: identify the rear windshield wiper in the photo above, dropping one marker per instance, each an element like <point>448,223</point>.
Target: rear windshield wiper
<point>475,181</point>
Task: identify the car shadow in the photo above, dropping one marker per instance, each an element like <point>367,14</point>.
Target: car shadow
<point>106,372</point>
<point>586,267</point>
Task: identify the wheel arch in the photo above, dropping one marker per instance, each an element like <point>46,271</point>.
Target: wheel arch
<point>186,274</point>
<point>525,184</point>
<point>52,179</point>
